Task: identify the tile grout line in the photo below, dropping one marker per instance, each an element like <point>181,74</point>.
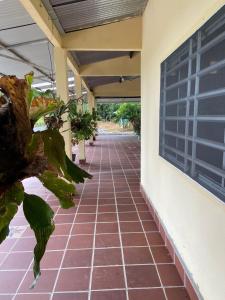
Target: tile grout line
<point>95,226</point>
<point>94,290</point>
<point>120,237</point>
<point>145,236</point>
<point>97,266</point>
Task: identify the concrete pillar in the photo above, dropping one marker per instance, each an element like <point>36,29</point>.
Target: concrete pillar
<point>91,105</point>
<point>95,107</point>
<point>60,60</point>
<point>78,90</point>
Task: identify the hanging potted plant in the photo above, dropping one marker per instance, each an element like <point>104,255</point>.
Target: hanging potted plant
<point>25,153</point>
<point>83,124</point>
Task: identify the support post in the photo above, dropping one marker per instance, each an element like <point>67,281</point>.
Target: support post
<point>95,107</point>
<point>91,105</point>
<point>81,145</point>
<point>60,60</point>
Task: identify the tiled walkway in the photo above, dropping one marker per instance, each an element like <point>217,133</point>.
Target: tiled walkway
<point>107,248</point>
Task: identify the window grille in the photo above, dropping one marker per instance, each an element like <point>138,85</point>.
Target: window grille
<point>192,106</point>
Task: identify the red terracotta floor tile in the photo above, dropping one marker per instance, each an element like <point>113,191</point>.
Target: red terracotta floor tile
<point>32,297</point>
<point>121,155</point>
<point>89,201</point>
<point>155,239</point>
<point>107,208</point>
<point>107,240</point>
<point>25,244</point>
<point>71,211</point>
<point>59,219</point>
<point>142,207</point>
<point>137,255</point>
<point>70,296</point>
<point>191,290</point>
<point>80,242</point>
<point>73,280</point>
<point>108,257</point>
<point>124,200</point>
<point>45,282</point>
<point>145,215</point>
<point>106,201</point>
<point>77,258</point>
<point>17,261</point>
<point>57,243</point>
<point>177,294</point>
<point>107,278</point>
<point>149,226</point>
<point>106,217</point>
<point>62,229</point>
<point>130,227</point>
<point>5,297</point>
<point>87,209</point>
<point>128,216</point>
<point>126,208</point>
<point>133,239</point>
<point>84,228</point>
<point>51,259</point>
<point>2,256</point>
<point>10,281</point>
<point>106,228</point>
<point>108,295</point>
<point>85,218</point>
<point>169,275</point>
<point>149,294</point>
<point>161,254</point>
<point>179,267</point>
<point>142,276</point>
<point>123,194</point>
<point>7,244</point>
<point>106,195</point>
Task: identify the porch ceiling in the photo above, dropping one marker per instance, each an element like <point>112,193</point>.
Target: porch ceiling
<point>93,82</point>
<point>23,46</point>
<point>89,57</point>
<point>80,14</point>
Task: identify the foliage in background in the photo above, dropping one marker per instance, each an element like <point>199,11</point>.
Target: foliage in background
<point>132,113</point>
<point>106,111</point>
<point>24,154</point>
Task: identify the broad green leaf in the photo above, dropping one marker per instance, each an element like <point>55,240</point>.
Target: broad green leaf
<point>34,144</point>
<point>29,79</point>
<point>7,212</point>
<point>63,190</point>
<point>40,217</point>
<point>4,233</point>
<point>9,203</point>
<point>77,174</point>
<point>54,148</point>
<point>15,193</point>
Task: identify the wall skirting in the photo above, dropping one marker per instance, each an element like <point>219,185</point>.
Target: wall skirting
<point>180,265</point>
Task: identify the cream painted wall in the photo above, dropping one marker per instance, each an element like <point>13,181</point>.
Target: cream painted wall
<point>194,218</point>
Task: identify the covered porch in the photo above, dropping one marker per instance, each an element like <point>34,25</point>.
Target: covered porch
<point>110,246</point>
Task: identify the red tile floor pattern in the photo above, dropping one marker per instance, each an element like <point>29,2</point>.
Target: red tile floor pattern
<point>106,248</point>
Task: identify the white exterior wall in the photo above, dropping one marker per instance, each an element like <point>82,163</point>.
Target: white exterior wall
<point>194,218</point>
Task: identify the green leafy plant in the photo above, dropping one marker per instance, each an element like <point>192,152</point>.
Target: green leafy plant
<point>83,124</point>
<point>24,154</point>
<point>131,112</point>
